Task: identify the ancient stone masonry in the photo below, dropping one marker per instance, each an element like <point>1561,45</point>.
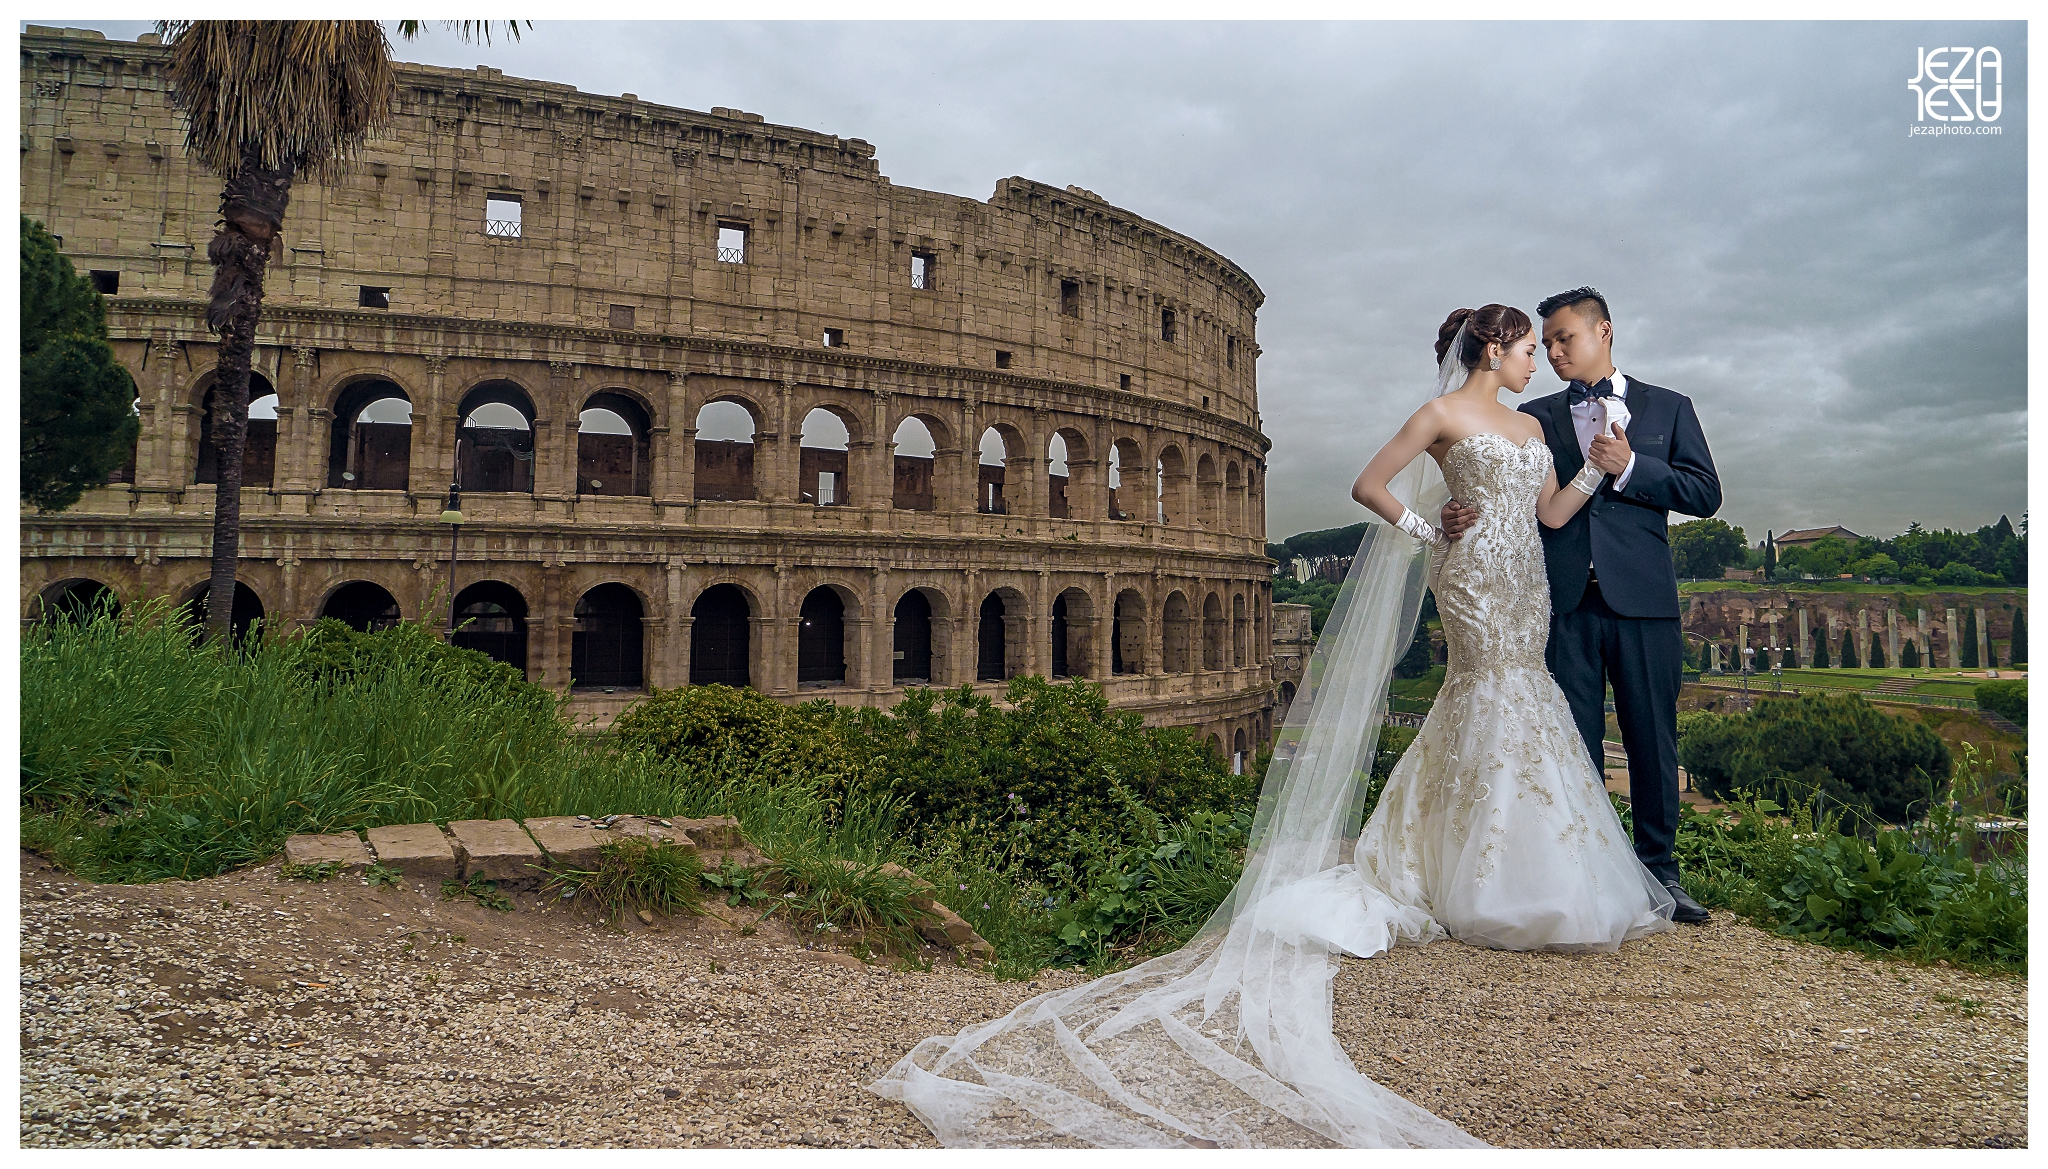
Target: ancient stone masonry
<point>724,404</point>
<point>1933,623</point>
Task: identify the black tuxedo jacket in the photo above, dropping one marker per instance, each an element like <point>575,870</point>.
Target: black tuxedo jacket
<point>1622,536</point>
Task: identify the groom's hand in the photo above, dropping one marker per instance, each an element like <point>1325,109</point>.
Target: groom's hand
<point>1455,518</point>
<point>1610,452</point>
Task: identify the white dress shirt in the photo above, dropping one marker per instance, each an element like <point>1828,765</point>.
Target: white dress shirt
<point>1589,418</point>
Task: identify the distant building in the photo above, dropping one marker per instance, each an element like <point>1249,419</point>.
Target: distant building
<point>1293,638</point>
<point>1808,537</point>
<point>1740,574</point>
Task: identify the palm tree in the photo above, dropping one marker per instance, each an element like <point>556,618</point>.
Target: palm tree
<point>265,101</point>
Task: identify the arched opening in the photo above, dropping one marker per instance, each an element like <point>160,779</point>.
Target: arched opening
<point>1174,646</point>
<point>821,460</point>
<point>1073,646</point>
<point>259,447</point>
<point>1214,633</point>
<point>127,472</point>
<point>495,443</point>
<point>1216,746</point>
<point>1233,498</point>
<point>1057,476</point>
<point>1239,631</point>
<point>915,453</point>
<point>1171,471</point>
<point>988,492</point>
<point>725,452</point>
<point>370,446</point>
<point>611,447</point>
<point>821,639</point>
<point>1122,453</point>
<point>490,617</point>
<point>913,638</point>
<point>606,647</point>
<point>719,622</point>
<point>75,600</point>
<point>1208,492</point>
<point>248,609</point>
<point>1240,746</point>
<point>991,660</point>
<point>362,606</point>
<point>1127,634</point>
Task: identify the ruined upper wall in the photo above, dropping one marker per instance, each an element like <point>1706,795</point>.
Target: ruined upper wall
<point>621,202</point>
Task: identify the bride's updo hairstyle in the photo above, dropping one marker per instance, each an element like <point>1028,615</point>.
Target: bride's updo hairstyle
<point>1500,323</point>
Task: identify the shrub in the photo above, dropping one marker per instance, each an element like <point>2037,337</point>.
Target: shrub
<point>2007,699</point>
<point>1909,655</point>
<point>635,873</point>
<point>1969,646</point>
<point>1820,651</point>
<point>1849,661</point>
<point>1955,572</point>
<point>1837,748</point>
<point>2017,654</point>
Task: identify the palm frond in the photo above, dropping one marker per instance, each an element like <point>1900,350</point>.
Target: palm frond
<point>295,95</point>
<point>469,30</point>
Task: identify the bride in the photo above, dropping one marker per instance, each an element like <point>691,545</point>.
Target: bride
<point>1494,828</point>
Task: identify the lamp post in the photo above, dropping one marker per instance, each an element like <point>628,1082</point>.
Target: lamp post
<point>452,516</point>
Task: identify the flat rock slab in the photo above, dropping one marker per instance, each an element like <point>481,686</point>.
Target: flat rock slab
<point>343,849</point>
<point>719,832</point>
<point>571,842</point>
<point>653,829</point>
<point>419,851</point>
<point>500,850</point>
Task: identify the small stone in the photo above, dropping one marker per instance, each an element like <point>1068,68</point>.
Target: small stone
<point>344,850</point>
<point>645,917</point>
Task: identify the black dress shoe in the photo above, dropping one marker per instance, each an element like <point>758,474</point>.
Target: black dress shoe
<point>1688,911</point>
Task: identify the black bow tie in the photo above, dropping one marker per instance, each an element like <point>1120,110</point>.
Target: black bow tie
<point>1579,391</point>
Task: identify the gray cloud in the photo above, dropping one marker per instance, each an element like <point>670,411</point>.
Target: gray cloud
<point>1845,305</point>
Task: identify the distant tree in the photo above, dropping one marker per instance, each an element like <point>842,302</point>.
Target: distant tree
<point>1955,572</point>
<point>1770,554</point>
<point>1790,658</point>
<point>1820,650</point>
<point>1876,566</point>
<point>1849,650</point>
<point>1838,747</point>
<point>2012,561</point>
<point>1969,646</point>
<point>2018,654</point>
<point>1700,549</point>
<point>77,403</point>
<point>1909,655</point>
<point>1877,661</point>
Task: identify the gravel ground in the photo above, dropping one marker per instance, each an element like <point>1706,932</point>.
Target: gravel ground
<point>251,1010</point>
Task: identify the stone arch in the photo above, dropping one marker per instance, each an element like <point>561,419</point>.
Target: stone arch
<point>999,641</point>
<point>721,635</point>
<point>73,598</point>
<point>249,612</point>
<point>1233,497</point>
<point>913,652</point>
<point>608,647</point>
<point>1176,634</point>
<point>369,442</point>
<point>1215,634</point>
<point>490,617</point>
<point>990,497</point>
<point>1240,630</point>
<point>1208,492</point>
<point>259,447</point>
<point>362,605</point>
<point>1215,742</point>
<point>1170,469</point>
<point>613,456</point>
<point>825,455</point>
<point>915,486</point>
<point>1124,494</point>
<point>826,635</point>
<point>495,437</point>
<point>725,466</point>
<point>1073,640</point>
<point>1127,633</point>
<point>1069,473</point>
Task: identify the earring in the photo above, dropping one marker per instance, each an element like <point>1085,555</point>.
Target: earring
<point>1495,364</point>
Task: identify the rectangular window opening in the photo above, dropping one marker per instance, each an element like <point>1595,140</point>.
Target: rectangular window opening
<point>1205,401</point>
<point>502,216</point>
<point>1002,359</point>
<point>834,338</point>
<point>106,283</point>
<point>1230,352</point>
<point>732,243</point>
<point>1123,381</point>
<point>1166,324</point>
<point>622,316</point>
<point>921,271</point>
<point>1070,298</point>
<point>368,297</point>
<point>828,484</point>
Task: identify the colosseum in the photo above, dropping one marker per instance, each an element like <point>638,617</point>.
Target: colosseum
<point>722,403</point>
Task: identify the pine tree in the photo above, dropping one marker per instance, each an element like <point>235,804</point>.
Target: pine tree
<point>2018,655</point>
<point>1849,650</point>
<point>1820,650</point>
<point>1770,555</point>
<point>1877,661</point>
<point>1969,646</point>
<point>1909,656</point>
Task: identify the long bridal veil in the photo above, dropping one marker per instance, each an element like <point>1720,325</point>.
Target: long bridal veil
<point>1228,1040</point>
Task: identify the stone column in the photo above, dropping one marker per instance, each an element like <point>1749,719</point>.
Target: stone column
<point>677,485</point>
<point>1891,637</point>
<point>1984,658</point>
<point>1955,650</point>
<point>1804,656</point>
<point>1921,638</point>
<point>432,454</point>
<point>879,648</point>
<point>967,646</point>
<point>1776,647</point>
<point>782,665</point>
<point>673,668</point>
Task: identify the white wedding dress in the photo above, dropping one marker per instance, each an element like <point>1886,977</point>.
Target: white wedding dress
<point>1494,827</point>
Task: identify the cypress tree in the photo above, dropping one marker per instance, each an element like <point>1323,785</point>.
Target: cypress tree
<point>1909,655</point>
<point>1849,649</point>
<point>2018,654</point>
<point>1877,661</point>
<point>1820,649</point>
<point>1969,646</point>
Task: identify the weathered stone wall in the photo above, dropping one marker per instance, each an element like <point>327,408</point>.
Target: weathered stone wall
<point>1934,622</point>
<point>1045,314</point>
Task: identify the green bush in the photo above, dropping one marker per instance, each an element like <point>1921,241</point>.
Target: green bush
<point>1838,748</point>
<point>634,873</point>
<point>2008,699</point>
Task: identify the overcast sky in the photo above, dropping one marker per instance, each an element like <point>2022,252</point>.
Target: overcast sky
<point>1844,303</point>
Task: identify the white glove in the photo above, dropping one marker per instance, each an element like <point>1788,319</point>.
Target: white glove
<point>1588,479</point>
<point>1418,527</point>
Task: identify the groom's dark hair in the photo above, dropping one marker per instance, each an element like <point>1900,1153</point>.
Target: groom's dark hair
<point>1586,294</point>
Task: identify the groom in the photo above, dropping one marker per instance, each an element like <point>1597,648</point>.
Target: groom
<point>1613,591</point>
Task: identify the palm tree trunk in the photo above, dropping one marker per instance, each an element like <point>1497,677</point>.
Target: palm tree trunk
<point>252,215</point>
